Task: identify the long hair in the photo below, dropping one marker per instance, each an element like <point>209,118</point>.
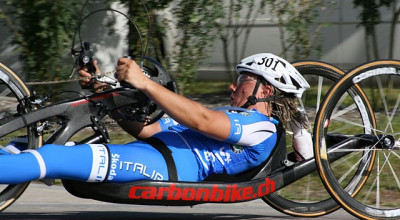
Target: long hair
<point>286,109</point>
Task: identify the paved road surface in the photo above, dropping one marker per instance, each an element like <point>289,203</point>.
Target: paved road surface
<point>43,202</point>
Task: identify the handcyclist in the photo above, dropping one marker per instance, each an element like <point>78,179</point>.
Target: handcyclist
<point>202,142</point>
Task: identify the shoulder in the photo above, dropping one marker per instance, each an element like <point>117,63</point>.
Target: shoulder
<point>246,115</point>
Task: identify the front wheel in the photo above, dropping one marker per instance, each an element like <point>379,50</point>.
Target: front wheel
<point>372,146</point>
<point>12,95</point>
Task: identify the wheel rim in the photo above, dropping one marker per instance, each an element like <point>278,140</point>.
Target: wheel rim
<point>379,197</point>
<point>12,91</point>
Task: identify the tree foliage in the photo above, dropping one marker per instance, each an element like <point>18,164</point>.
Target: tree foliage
<point>296,20</point>
<point>298,27</point>
<point>197,26</point>
<point>370,16</point>
<point>239,18</point>
<point>138,13</point>
<point>43,31</point>
<point>193,26</point>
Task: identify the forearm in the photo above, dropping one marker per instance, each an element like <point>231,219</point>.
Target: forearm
<point>139,130</point>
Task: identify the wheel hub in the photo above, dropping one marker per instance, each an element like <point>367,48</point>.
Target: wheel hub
<point>386,142</point>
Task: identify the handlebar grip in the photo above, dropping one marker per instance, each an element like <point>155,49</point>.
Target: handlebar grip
<point>91,68</point>
<point>123,83</point>
<point>86,58</point>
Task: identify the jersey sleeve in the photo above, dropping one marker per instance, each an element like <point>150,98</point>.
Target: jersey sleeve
<point>249,128</point>
<point>166,123</point>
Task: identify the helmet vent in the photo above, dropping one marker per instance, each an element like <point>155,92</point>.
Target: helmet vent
<point>295,83</point>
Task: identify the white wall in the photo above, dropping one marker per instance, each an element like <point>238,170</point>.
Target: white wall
<point>342,40</point>
<point>107,48</point>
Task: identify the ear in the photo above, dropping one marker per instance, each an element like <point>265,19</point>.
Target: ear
<point>267,90</point>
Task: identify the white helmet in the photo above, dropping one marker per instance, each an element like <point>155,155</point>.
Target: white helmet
<point>277,71</point>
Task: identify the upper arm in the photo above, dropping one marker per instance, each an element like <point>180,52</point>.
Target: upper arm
<point>254,133</point>
<point>216,125</point>
<point>243,128</point>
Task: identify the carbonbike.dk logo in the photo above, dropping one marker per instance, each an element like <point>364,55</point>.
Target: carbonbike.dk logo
<point>215,193</point>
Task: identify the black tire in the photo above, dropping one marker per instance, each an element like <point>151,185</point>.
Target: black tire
<point>379,196</point>
<point>307,196</point>
<point>12,93</point>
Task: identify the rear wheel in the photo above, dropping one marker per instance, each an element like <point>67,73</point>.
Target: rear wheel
<point>376,153</point>
<point>12,95</point>
<point>307,196</point>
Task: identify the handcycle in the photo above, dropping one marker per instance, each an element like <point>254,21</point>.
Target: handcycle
<point>30,117</point>
<point>23,114</point>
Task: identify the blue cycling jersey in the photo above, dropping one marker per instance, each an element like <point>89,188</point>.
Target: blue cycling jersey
<point>252,138</point>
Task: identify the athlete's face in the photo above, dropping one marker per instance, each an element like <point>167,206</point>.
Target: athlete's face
<point>242,89</point>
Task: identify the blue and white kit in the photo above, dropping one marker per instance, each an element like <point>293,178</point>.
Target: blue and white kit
<point>251,140</point>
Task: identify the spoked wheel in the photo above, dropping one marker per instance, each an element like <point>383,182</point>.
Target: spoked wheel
<point>12,94</point>
<point>307,196</point>
<point>372,147</point>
